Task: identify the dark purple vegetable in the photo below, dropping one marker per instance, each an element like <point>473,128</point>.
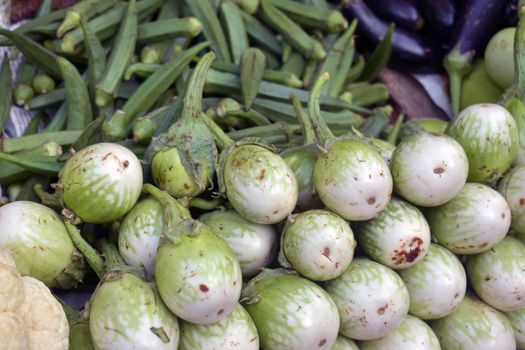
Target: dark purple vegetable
<point>475,26</point>
<point>510,14</point>
<point>439,15</point>
<point>405,45</point>
<point>403,13</point>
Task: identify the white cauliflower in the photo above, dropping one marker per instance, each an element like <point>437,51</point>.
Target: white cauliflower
<point>30,317</point>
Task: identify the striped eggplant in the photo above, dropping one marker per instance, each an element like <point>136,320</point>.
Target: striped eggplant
<point>398,237</point>
<point>472,326</point>
<point>436,285</point>
<point>412,334</point>
<point>259,184</point>
<point>371,298</point>
<point>499,57</point>
<point>344,343</point>
<point>126,312</point>
<point>290,312</point>
<point>498,275</point>
<point>385,149</point>
<point>512,187</point>
<point>101,182</point>
<point>139,234</point>
<point>318,244</point>
<point>255,245</point>
<point>353,180</point>
<point>39,243</point>
<point>472,222</point>
<point>429,169</point>
<point>517,321</point>
<point>236,331</point>
<point>489,136</point>
<point>197,274</point>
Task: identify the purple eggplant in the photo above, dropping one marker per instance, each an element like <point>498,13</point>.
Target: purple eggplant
<point>405,45</point>
<point>439,15</point>
<point>477,23</point>
<point>403,13</point>
<point>510,14</point>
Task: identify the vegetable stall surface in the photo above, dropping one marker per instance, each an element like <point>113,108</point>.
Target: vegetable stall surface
<point>264,174</point>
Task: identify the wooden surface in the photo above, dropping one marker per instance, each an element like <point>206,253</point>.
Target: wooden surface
<point>24,9</point>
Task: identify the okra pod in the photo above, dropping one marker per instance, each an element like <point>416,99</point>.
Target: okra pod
<point>292,32</point>
<point>375,124</point>
<point>308,73</point>
<point>280,128</point>
<point>380,57</point>
<point>96,58</point>
<point>370,94</point>
<point>45,8</point>
<point>104,26</point>
<point>79,109</point>
<point>145,96</point>
<point>307,15</point>
<point>260,34</point>
<point>284,111</point>
<point>6,92</point>
<point>250,6</point>
<point>43,83</point>
<point>169,28</point>
<point>211,27</point>
<point>90,135</point>
<point>34,52</point>
<point>120,57</point>
<point>23,90</point>
<point>144,127</point>
<point>251,116</point>
<point>16,144</point>
<point>43,165</point>
<point>46,100</point>
<point>10,173</point>
<point>58,122</point>
<point>38,22</point>
<point>83,9</point>
<point>252,70</point>
<point>287,51</point>
<point>339,80</point>
<point>235,30</point>
<point>295,64</point>
<point>143,70</point>
<point>221,83</point>
<point>32,127</point>
<point>356,70</point>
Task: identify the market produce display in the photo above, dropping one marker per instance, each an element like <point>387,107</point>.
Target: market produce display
<point>264,174</point>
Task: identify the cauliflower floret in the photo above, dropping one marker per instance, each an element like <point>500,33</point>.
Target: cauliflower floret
<point>31,318</point>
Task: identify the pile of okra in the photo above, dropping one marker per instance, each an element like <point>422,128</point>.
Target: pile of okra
<point>113,70</point>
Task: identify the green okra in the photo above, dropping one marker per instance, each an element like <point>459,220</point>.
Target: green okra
<point>367,94</point>
<point>284,111</point>
<point>253,64</point>
<point>34,52</point>
<point>22,143</point>
<point>6,92</point>
<point>23,90</point>
<point>260,34</point>
<point>43,165</point>
<point>58,122</point>
<point>32,127</point>
<point>43,83</point>
<point>38,22</point>
<point>380,57</point>
<point>308,73</point>
<point>104,26</point>
<point>144,127</point>
<point>10,173</point>
<point>83,9</point>
<point>235,30</point>
<point>168,28</point>
<point>307,15</point>
<point>292,32</point>
<point>142,70</point>
<point>120,57</point>
<point>251,116</point>
<point>148,92</point>
<point>279,77</point>
<point>250,6</point>
<point>96,58</point>
<point>211,27</point>
<point>221,83</point>
<point>376,123</point>
<point>90,135</point>
<point>79,109</point>
<point>393,135</point>
<point>295,64</point>
<point>339,79</point>
<point>45,8</point>
<point>356,70</point>
<point>334,57</point>
<point>287,51</point>
<point>259,131</point>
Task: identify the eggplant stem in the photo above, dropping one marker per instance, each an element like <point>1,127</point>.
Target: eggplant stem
<point>394,133</point>
<point>322,131</point>
<point>112,257</point>
<point>90,254</point>
<point>223,141</point>
<point>306,125</point>
<point>204,204</point>
<point>457,66</point>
